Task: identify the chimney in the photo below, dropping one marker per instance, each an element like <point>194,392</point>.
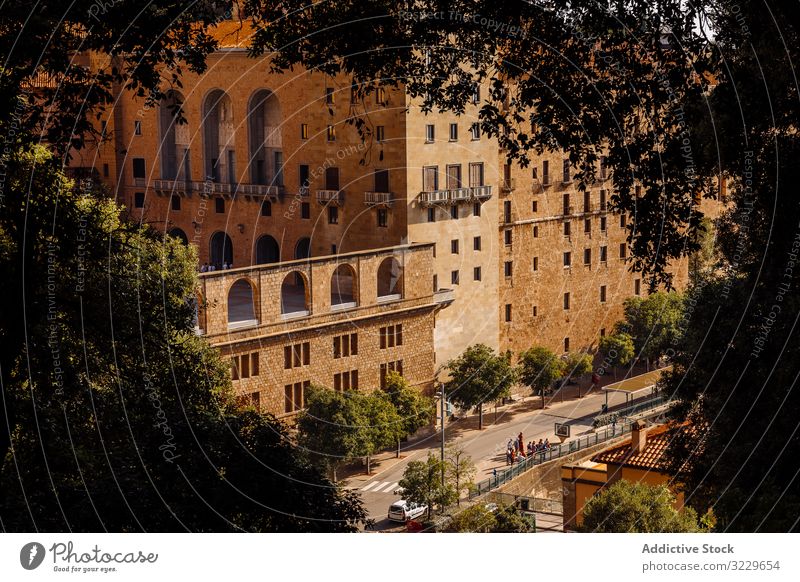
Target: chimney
<point>638,437</point>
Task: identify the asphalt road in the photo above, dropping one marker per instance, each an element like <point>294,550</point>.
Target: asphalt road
<point>487,447</point>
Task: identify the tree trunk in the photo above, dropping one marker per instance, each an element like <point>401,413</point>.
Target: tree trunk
<point>368,463</point>
<point>542,398</point>
<point>480,416</point>
<point>398,449</point>
<point>334,472</point>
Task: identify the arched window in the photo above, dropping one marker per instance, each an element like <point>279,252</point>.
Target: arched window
<point>220,160</point>
<point>390,279</point>
<point>220,250</point>
<point>302,249</point>
<point>343,287</point>
<point>264,121</point>
<point>241,304</point>
<point>179,234</point>
<point>174,139</point>
<point>294,295</point>
<point>267,250</point>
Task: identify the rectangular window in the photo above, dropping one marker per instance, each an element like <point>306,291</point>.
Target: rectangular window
<point>332,178</point>
<point>507,211</point>
<point>303,174</point>
<point>380,133</point>
<point>637,287</point>
<point>430,133</point>
<point>476,209</point>
<point>305,210</point>
<point>566,300</point>
<point>507,268</point>
<point>476,274</point>
<point>303,131</point>
<point>566,344</point>
<point>296,355</point>
<point>587,226</point>
<point>602,199</point>
<point>380,96</point>
<point>567,228</point>
<point>567,259</point>
<point>454,246</point>
<point>603,225</point>
<point>138,200</point>
<point>435,283</point>
<point>219,205</point>
<point>139,171</point>
<point>508,237</point>
<point>476,94</point>
<point>587,202</point>
<point>333,249</point>
<point>244,367</point>
<point>331,133</point>
<point>453,132</point>
<point>137,127</point>
<point>622,220</point>
<point>454,212</point>
<point>287,357</point>
<point>623,250</point>
<point>508,312</point>
<point>475,131</point>
<point>431,215</point>
<point>535,231</point>
<point>603,254</point>
<point>329,95</point>
<point>602,293</point>
<point>235,368</point>
<point>454,277</point>
<point>535,263</point>
<point>105,171</point>
<point>453,175</point>
<point>545,173</point>
<point>535,206</point>
<point>333,215</point>
<point>565,202</point>
<point>638,191</point>
<point>587,256</point>
<point>602,167</point>
<point>476,174</point>
<point>430,178</point>
<point>383,217</point>
<point>565,172</point>
<point>602,332</point>
<point>476,243</point>
<point>535,311</point>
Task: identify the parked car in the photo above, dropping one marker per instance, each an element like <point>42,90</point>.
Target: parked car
<point>403,510</point>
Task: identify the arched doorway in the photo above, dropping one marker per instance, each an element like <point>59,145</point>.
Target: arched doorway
<point>267,250</point>
<point>390,279</point>
<point>179,234</point>
<point>241,304</point>
<point>220,250</point>
<point>343,287</point>
<point>294,294</point>
<point>302,250</point>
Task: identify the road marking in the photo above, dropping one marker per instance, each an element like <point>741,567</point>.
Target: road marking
<point>381,486</point>
<point>370,486</point>
<point>383,489</point>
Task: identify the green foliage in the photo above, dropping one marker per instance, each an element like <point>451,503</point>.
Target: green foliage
<point>460,468</point>
<point>122,418</point>
<point>478,376</point>
<point>654,323</point>
<point>627,507</point>
<point>414,408</point>
<point>422,483</point>
<point>342,426</point>
<point>510,520</point>
<point>577,364</point>
<point>617,349</point>
<point>540,368</point>
<point>480,519</point>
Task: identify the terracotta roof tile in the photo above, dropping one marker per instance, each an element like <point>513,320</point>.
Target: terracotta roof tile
<point>652,458</point>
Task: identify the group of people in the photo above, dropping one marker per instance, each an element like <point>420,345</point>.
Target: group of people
<point>516,448</point>
<point>206,268</point>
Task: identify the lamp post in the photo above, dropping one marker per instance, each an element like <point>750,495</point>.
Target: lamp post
<point>441,384</point>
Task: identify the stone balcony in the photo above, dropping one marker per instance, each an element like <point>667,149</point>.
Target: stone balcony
<point>208,188</point>
<point>335,197</point>
<point>455,195</point>
<point>385,199</point>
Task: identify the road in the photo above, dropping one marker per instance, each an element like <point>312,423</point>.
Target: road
<point>487,447</point>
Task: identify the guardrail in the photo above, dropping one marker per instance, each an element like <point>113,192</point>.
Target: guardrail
<point>561,450</point>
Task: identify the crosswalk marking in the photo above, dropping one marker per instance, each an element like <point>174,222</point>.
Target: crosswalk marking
<point>370,486</point>
<point>389,486</point>
<point>380,487</point>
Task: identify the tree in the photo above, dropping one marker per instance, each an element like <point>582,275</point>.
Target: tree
<point>539,368</point>
<point>422,483</point>
<point>460,468</point>
<point>627,507</point>
<point>341,426</point>
<point>414,408</point>
<point>510,520</point>
<point>124,419</point>
<point>654,323</point>
<point>617,349</point>
<point>476,519</point>
<point>577,364</point>
<point>477,376</point>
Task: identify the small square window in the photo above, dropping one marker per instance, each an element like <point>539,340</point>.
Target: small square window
<point>430,133</point>
<point>303,131</point>
<point>137,127</point>
<point>305,210</point>
<point>454,277</point>
<point>567,259</point>
<point>219,205</point>
<point>453,132</point>
<point>476,273</point>
<point>383,217</point>
<point>266,208</point>
<point>139,171</point>
<point>476,243</point>
<point>431,215</point>
<point>623,250</point>
<point>333,215</point>
<point>175,202</point>
<point>454,246</point>
<point>138,200</point>
<point>475,131</point>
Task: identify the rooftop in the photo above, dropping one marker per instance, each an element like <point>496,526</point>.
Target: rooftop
<point>651,458</point>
